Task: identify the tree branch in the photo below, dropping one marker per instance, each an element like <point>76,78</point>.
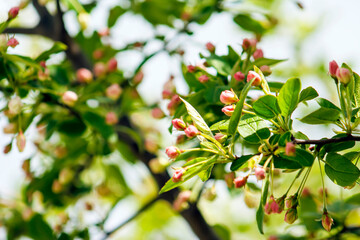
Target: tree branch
<point>327,140</point>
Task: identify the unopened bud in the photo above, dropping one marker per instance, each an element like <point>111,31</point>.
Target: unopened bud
<point>333,67</point>
<point>112,65</point>
<point>326,221</point>
<point>258,54</point>
<point>291,201</point>
<point>178,124</point>
<point>291,215</point>
<point>210,47</point>
<point>89,206</point>
<point>259,173</point>
<point>157,113</point>
<point>172,152</point>
<point>240,181</point>
<point>181,201</point>
<point>7,148</point>
<point>11,128</point>
<point>174,102</point>
<point>265,69</point>
<point>229,179</point>
<point>15,105</point>
<point>111,118</point>
<point>177,176</point>
<point>228,97</point>
<point>220,137</point>
<point>13,12</point>
<point>191,68</point>
<point>66,175</point>
<point>191,131</point>
<point>290,149</point>
<point>69,98</point>
<point>281,203</point>
<point>249,44</point>
<point>239,76</point>
<point>114,91</point>
<point>56,187</point>
<point>343,75</point>
<point>83,75</point>
<point>253,75</point>
<point>228,110</point>
<point>98,54</point>
<point>139,76</point>
<point>100,69</point>
<point>20,141</point>
<point>203,79</point>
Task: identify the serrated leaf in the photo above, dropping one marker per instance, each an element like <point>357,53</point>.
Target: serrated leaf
<point>321,116</point>
<point>235,117</point>
<point>308,94</point>
<point>289,96</point>
<point>341,170</point>
<point>266,107</point>
<point>197,119</point>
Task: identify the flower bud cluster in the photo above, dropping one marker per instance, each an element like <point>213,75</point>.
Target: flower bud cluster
<point>228,97</point>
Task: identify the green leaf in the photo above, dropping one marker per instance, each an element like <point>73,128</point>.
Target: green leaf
<point>237,163</point>
<point>23,60</point>
<point>39,228</point>
<point>303,157</point>
<point>220,64</point>
<point>275,86</point>
<point>114,14</point>
<point>266,107</point>
<point>191,80</point>
<point>98,123</point>
<point>205,174</point>
<point>209,145</point>
<point>321,116</point>
<point>195,160</point>
<point>260,211</point>
<point>357,90</point>
<point>339,146</point>
<point>327,104</point>
<point>267,61</point>
<point>235,118</point>
<point>73,127</point>
<point>289,96</point>
<point>354,199</point>
<point>56,48</point>
<point>340,170</point>
<point>247,23</point>
<point>254,129</point>
<point>283,163</point>
<point>220,126</point>
<point>308,94</point>
<point>197,119</point>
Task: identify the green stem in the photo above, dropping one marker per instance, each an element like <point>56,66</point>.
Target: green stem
<point>222,150</point>
<point>293,181</point>
<point>200,149</point>
<point>323,184</point>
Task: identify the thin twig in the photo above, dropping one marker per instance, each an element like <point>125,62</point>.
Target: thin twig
<point>327,140</point>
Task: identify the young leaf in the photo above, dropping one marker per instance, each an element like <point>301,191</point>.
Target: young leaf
<point>327,104</point>
<point>221,66</point>
<point>357,90</point>
<point>197,119</point>
<point>247,23</point>
<point>253,129</point>
<point>308,94</point>
<point>235,118</point>
<point>260,212</point>
<point>220,126</point>
<point>289,96</point>
<point>266,107</point>
<point>56,48</point>
<point>340,170</point>
<point>267,61</point>
<point>237,163</point>
<point>321,116</point>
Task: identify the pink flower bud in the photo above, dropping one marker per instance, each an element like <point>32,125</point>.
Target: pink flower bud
<point>100,69</point>
<point>112,65</point>
<point>178,175</point>
<point>15,105</point>
<point>229,179</point>
<point>151,145</point>
<point>210,47</point>
<point>228,97</point>
<point>275,207</point>
<point>42,64</point>
<point>178,124</point>
<point>191,68</point>
<point>306,192</point>
<point>265,69</point>
<point>172,152</point>
<point>203,79</point>
<point>180,202</point>
<point>260,173</point>
<point>11,128</point>
<point>343,75</point>
<point>191,131</point>
<point>12,42</point>
<point>239,76</point>
<point>291,215</point>
<point>228,110</point>
<point>13,12</point>
<point>272,237</point>
<point>180,139</point>
<point>111,118</point>
<point>69,98</point>
<point>174,102</point>
<point>138,77</point>
<point>7,148</point>
<point>167,94</point>
<point>258,54</point>
<point>98,54</point>
<point>272,206</point>
<point>113,91</point>
<point>281,203</point>
<point>291,201</point>
<point>220,137</point>
<point>252,75</point>
<point>240,181</point>
<point>326,221</point>
<point>43,74</point>
<point>157,113</point>
<point>83,75</point>
<point>333,67</point>
<point>290,149</point>
<point>20,141</point>
<point>248,43</point>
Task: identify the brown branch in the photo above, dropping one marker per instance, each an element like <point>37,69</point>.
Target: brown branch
<point>327,140</point>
